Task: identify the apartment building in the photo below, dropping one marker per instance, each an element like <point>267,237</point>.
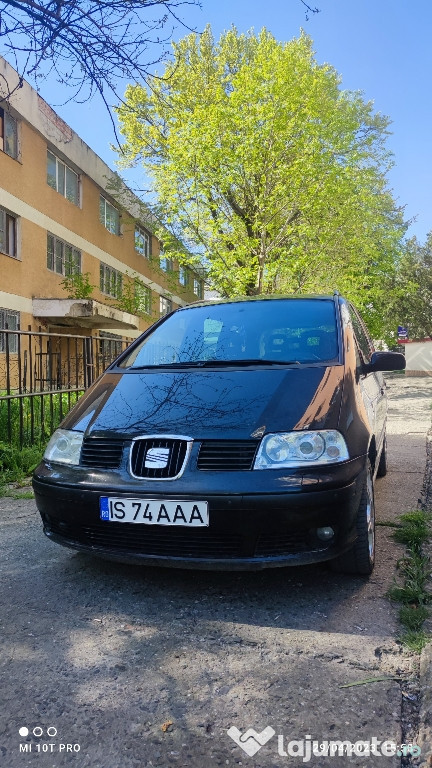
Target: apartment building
<point>65,214</point>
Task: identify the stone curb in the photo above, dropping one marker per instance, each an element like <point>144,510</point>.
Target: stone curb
<point>425,715</point>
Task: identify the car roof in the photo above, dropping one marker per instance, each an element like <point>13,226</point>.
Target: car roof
<point>262,297</point>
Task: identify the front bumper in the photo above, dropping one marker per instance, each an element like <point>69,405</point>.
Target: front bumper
<point>248,530</point>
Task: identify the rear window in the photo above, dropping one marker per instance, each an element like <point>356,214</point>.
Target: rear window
<point>279,330</point>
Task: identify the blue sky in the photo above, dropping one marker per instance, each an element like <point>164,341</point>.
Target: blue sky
<point>381,47</point>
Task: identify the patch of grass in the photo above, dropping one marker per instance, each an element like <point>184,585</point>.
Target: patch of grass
<point>22,495</point>
<point>415,641</point>
<point>17,463</point>
<point>413,616</point>
<point>414,529</point>
<point>415,571</point>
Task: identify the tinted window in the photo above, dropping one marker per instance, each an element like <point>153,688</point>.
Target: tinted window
<point>363,341</point>
<point>279,330</point>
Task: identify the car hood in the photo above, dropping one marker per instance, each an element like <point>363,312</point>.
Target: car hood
<point>204,404</point>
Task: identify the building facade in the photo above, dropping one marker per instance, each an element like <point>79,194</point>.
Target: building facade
<point>77,253</point>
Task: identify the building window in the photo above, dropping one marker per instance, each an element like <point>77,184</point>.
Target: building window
<point>62,257</point>
<point>142,242</point>
<point>111,281</point>
<point>7,233</point>
<point>183,276</point>
<point>109,216</point>
<point>8,134</point>
<point>165,305</point>
<point>143,298</point>
<point>198,288</point>
<point>166,264</point>
<point>110,346</point>
<point>11,319</point>
<point>62,178</point>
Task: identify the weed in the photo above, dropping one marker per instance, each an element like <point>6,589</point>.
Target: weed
<point>414,529</point>
<point>415,570</point>
<point>17,463</point>
<point>415,641</point>
<point>413,616</point>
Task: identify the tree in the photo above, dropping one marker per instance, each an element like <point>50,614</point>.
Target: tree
<point>265,167</point>
<point>88,44</point>
<point>410,292</point>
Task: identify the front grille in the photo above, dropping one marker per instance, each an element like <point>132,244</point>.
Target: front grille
<point>147,456</point>
<point>279,544</point>
<point>146,540</point>
<point>99,452</point>
<point>227,455</point>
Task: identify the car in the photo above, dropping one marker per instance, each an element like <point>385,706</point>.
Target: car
<point>241,433</point>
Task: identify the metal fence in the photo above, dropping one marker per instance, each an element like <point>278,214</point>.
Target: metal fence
<point>42,375</point>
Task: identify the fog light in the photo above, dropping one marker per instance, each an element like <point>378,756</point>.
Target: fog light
<point>326,533</point>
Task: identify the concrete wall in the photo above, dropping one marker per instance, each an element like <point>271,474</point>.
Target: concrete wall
<point>418,356</point>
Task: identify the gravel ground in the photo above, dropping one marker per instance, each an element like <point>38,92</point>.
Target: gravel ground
<point>136,667</point>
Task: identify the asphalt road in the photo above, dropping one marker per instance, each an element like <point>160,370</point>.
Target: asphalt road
<point>114,666</point>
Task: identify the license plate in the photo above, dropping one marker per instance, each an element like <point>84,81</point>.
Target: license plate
<point>193,514</point>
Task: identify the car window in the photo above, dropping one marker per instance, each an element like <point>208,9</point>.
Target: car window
<point>294,330</point>
<point>364,343</point>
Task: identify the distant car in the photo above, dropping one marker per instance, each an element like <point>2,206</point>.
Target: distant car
<point>243,433</point>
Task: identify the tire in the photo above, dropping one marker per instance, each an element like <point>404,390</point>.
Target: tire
<point>382,466</point>
<point>361,557</point>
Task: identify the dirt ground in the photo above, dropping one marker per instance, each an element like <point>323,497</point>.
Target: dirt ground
<point>115,666</point>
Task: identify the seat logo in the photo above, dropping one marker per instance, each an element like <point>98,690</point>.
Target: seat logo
<point>251,741</point>
<point>157,458</point>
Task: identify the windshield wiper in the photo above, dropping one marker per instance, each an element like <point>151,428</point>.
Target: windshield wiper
<point>216,362</point>
<point>249,361</point>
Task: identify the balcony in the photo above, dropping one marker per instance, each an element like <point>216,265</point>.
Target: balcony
<point>83,313</point>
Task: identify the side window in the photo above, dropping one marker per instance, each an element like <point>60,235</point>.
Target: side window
<point>62,257</point>
<point>8,134</point>
<point>165,306</point>
<point>111,281</point>
<point>142,241</point>
<point>11,319</point>
<point>364,343</point>
<point>8,232</point>
<point>62,178</point>
<point>109,216</point>
<point>198,288</point>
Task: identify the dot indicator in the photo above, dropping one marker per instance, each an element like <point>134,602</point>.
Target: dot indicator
<point>23,732</point>
<point>38,731</point>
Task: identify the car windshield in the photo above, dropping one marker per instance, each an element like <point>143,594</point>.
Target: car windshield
<point>275,331</point>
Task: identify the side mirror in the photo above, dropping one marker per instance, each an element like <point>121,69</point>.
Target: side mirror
<point>385,361</point>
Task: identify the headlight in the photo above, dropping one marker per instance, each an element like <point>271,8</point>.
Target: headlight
<point>64,447</point>
<point>299,449</point>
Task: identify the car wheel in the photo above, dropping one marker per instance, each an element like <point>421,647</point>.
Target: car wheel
<point>382,466</point>
<point>361,557</point>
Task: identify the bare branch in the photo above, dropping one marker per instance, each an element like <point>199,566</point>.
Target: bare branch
<point>90,46</point>
<point>309,9</point>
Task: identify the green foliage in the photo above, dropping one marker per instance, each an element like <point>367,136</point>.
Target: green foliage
<point>16,463</point>
<point>413,616</point>
<point>415,570</point>
<point>40,415</point>
<point>415,640</point>
<point>414,529</point>
<point>77,285</point>
<point>410,290</point>
<point>135,297</point>
<point>264,166</point>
